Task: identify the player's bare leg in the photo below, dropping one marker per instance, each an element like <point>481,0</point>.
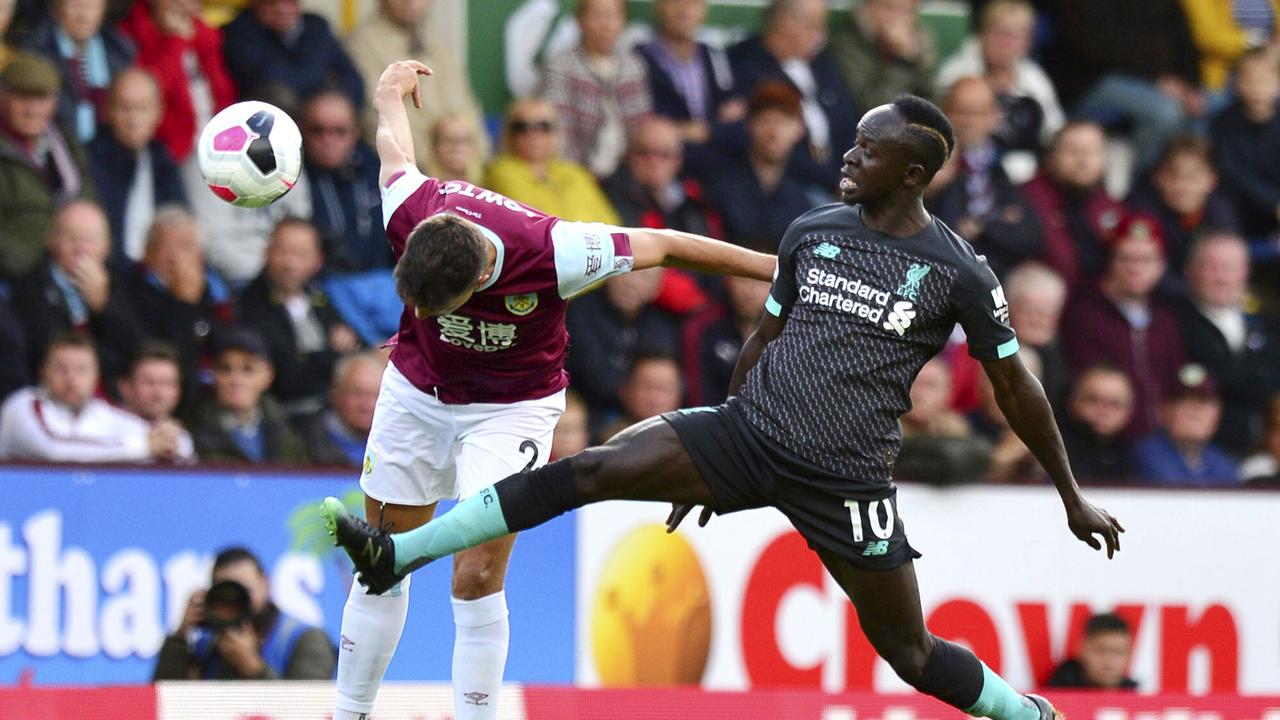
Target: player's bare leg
<point>645,462</point>
<point>372,624</point>
<point>483,630</point>
<point>888,605</point>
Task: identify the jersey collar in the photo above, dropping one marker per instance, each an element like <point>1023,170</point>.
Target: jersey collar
<point>501,251</point>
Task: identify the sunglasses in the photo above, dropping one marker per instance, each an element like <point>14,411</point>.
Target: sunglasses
<point>654,152</point>
<point>524,126</point>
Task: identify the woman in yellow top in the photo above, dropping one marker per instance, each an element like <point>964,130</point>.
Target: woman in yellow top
<point>530,170</point>
<point>1222,33</point>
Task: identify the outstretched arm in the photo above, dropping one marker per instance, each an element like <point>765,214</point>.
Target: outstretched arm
<point>672,248</point>
<point>393,139</point>
<point>1022,400</point>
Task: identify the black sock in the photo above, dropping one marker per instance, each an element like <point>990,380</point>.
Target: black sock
<point>952,674</point>
<point>531,498</point>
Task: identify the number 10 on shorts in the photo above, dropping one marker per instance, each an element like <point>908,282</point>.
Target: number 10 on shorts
<point>881,530</point>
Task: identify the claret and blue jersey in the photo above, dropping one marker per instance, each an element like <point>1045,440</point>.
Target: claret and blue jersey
<point>508,342</point>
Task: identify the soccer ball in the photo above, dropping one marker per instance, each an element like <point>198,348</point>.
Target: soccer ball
<point>250,154</point>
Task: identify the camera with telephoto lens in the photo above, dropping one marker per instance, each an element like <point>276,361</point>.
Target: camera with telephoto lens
<point>226,604</point>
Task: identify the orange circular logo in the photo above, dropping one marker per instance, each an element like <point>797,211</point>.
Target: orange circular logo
<point>651,617</point>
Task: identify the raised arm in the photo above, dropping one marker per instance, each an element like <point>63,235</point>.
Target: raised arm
<point>393,139</point>
<point>672,248</point>
<point>1022,400</point>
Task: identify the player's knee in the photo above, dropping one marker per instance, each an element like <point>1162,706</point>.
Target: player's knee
<point>476,577</point>
<point>907,657</point>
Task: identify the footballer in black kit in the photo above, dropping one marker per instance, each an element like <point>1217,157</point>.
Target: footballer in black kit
<point>865,292</point>
<point>814,428</point>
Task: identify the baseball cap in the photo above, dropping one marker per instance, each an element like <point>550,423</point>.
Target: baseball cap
<point>246,341</point>
<point>1137,224</point>
<point>27,74</point>
<point>1193,381</point>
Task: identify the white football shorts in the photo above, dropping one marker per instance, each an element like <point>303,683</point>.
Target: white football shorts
<point>421,450</point>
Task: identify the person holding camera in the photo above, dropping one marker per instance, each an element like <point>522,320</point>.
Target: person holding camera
<point>233,631</point>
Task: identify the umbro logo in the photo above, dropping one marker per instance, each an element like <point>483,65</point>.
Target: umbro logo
<point>900,317</point>
<point>476,698</point>
<point>826,250</point>
<point>372,551</point>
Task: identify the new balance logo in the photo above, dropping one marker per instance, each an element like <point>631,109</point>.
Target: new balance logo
<point>372,551</point>
<point>876,547</point>
<point>1001,313</point>
<point>826,250</point>
<point>900,317</point>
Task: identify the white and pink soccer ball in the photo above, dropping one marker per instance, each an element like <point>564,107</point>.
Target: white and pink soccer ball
<point>250,154</point>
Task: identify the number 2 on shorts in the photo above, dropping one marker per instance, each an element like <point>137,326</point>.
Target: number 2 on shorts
<point>529,445</point>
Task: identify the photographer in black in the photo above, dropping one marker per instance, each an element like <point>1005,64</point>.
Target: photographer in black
<point>233,631</point>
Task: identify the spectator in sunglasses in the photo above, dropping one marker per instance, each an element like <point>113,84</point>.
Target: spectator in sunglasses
<point>531,170</point>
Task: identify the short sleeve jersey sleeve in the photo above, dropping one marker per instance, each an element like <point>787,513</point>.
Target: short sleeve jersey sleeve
<point>981,309</point>
<point>587,254</point>
<point>784,291</point>
<point>410,198</point>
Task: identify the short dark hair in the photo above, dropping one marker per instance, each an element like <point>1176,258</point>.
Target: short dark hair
<point>1185,144</point>
<point>776,95</point>
<point>69,339</point>
<point>928,131</point>
<point>236,554</point>
<point>443,257</point>
<point>154,350</point>
<point>647,355</point>
<point>1105,623</point>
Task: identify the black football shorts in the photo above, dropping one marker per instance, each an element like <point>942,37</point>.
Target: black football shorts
<point>745,469</point>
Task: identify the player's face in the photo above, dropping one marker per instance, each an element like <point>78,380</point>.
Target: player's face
<point>874,167</point>
<point>71,376</point>
<point>1104,657</point>
<point>154,389</point>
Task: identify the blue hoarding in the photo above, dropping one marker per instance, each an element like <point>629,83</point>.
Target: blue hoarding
<point>96,567</point>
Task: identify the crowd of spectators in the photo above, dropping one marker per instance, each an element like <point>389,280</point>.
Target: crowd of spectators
<point>1114,163</point>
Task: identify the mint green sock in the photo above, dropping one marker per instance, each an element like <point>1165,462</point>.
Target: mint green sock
<point>997,701</point>
<point>474,521</point>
